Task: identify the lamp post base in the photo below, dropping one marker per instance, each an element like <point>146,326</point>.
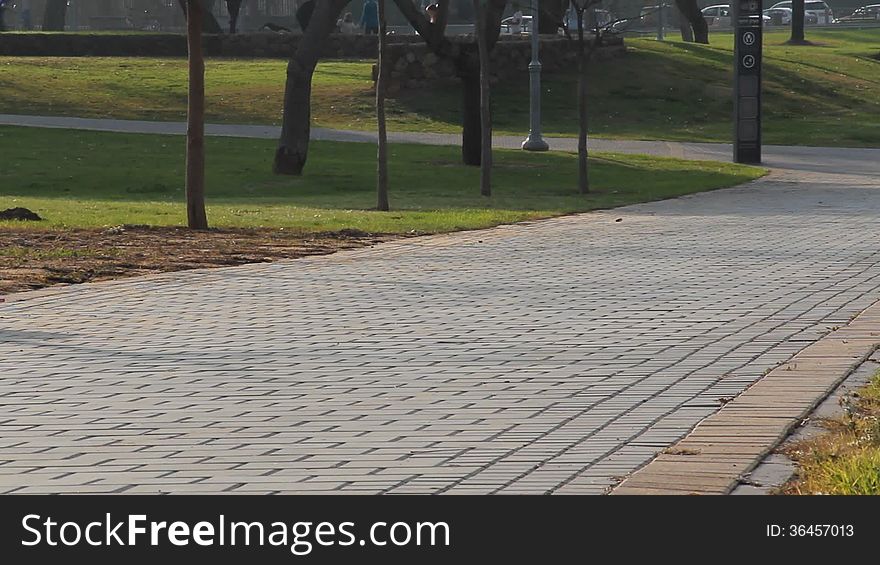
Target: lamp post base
<point>535,144</point>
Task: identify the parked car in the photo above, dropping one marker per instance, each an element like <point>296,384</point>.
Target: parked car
<point>718,16</point>
<point>509,25</point>
<point>599,17</point>
<point>782,16</point>
<point>646,20</point>
<point>721,15</point>
<point>870,13</point>
<point>779,16</point>
<point>812,8</point>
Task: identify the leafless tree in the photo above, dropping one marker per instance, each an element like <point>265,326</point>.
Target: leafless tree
<point>584,50</point>
<point>381,85</point>
<point>552,15</point>
<point>234,9</point>
<point>292,152</point>
<point>209,22</point>
<point>692,13</point>
<point>684,26</point>
<point>465,57</point>
<point>485,110</point>
<point>797,23</point>
<point>195,119</point>
<point>293,144</point>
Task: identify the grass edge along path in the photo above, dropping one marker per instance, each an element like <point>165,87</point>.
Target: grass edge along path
<point>846,459</point>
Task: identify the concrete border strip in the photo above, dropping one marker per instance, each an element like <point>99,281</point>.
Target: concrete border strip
<point>734,440</point>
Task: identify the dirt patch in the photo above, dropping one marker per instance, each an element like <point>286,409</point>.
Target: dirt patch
<point>22,214</point>
<point>32,258</point>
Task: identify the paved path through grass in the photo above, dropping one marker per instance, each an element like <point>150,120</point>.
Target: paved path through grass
<point>825,159</point>
<point>553,356</point>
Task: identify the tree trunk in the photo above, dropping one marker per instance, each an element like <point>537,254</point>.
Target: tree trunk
<point>551,16</point>
<point>54,15</point>
<point>471,137</point>
<point>583,171</point>
<point>797,22</point>
<point>382,149</point>
<point>485,115</point>
<point>694,16</point>
<point>293,144</point>
<point>234,9</point>
<point>195,120</point>
<point>687,33</point>
<point>466,62</point>
<point>209,25</point>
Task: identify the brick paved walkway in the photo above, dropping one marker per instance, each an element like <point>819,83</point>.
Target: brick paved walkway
<point>554,356</point>
<point>547,357</point>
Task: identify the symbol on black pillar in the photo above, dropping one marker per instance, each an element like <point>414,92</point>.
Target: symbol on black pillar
<point>749,61</point>
<point>749,38</point>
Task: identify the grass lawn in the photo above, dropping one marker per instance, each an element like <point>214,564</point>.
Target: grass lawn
<point>825,94</point>
<point>86,179</point>
<point>847,459</point>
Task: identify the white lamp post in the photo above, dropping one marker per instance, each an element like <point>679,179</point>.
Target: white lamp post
<point>535,142</point>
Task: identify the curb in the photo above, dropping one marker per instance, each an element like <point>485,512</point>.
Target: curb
<point>734,440</point>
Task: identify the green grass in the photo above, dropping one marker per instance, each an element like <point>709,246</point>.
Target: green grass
<point>825,94</point>
<point>78,178</point>
<point>847,459</point>
<point>237,90</point>
<point>853,473</point>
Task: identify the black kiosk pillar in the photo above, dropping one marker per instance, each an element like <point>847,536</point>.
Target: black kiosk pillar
<point>747,81</point>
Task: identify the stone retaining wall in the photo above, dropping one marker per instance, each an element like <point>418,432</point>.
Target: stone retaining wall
<point>414,66</point>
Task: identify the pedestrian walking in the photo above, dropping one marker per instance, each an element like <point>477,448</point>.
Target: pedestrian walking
<point>346,25</point>
<point>370,17</point>
<point>516,23</point>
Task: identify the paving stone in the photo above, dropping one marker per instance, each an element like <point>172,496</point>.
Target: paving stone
<point>551,356</point>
